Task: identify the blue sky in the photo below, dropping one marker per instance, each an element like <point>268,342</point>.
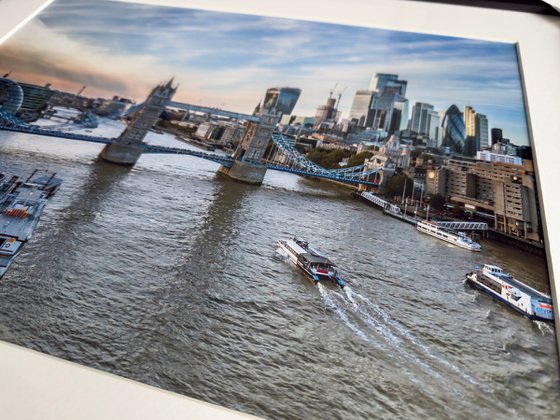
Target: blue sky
<point>229,60</point>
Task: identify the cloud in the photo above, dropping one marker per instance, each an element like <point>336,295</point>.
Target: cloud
<point>223,59</point>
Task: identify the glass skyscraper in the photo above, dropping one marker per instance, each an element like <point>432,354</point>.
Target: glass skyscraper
<point>453,130</point>
<point>384,81</point>
<point>388,107</point>
<point>421,118</point>
<point>11,96</point>
<point>284,99</point>
<point>481,125</point>
<point>360,106</point>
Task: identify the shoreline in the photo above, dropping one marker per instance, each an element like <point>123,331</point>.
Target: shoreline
<point>491,234</point>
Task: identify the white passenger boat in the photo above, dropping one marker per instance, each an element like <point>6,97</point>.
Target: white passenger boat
<point>314,265</point>
<point>502,286</point>
<point>459,239</point>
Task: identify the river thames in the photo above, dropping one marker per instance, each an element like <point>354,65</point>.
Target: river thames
<point>168,274</point>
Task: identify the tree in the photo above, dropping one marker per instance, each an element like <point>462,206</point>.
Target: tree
<point>437,201</point>
<point>328,159</point>
<point>359,158</point>
<point>396,184</point>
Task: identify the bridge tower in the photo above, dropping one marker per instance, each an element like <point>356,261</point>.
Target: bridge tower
<point>247,166</point>
<point>127,149</point>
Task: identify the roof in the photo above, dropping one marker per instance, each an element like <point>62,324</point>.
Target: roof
<point>315,258</point>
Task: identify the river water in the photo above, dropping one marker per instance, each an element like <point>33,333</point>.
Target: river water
<point>168,274</point>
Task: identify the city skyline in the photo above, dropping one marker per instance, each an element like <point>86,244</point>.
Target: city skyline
<point>229,60</point>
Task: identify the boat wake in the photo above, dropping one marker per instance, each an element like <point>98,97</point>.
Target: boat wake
<point>544,327</point>
<point>372,324</point>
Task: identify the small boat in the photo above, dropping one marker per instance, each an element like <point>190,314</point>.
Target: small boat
<point>459,239</point>
<point>314,265</point>
<point>527,301</point>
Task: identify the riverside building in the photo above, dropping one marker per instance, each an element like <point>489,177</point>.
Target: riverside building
<point>497,188</point>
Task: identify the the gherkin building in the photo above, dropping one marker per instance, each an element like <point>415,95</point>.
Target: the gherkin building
<point>454,133</point>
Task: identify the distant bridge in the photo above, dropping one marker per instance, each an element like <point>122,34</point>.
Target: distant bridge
<point>213,111</point>
<point>288,158</point>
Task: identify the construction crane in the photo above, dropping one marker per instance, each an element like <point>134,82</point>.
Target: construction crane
<point>332,90</point>
<point>81,90</point>
<point>339,96</point>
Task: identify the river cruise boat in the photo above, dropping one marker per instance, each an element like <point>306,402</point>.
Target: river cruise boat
<point>502,286</point>
<point>21,206</point>
<point>313,264</point>
<point>459,239</point>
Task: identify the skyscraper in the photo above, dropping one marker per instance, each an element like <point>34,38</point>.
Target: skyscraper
<point>400,111</point>
<point>497,135</point>
<point>360,106</point>
<point>388,105</point>
<point>384,81</point>
<point>434,128</point>
<point>284,99</point>
<point>420,118</point>
<point>481,132</point>
<point>469,117</point>
<point>453,130</point>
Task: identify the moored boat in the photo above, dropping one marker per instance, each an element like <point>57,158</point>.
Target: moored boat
<point>459,239</point>
<point>313,264</point>
<point>502,286</point>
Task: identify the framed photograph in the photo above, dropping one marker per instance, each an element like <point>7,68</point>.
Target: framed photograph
<point>292,211</point>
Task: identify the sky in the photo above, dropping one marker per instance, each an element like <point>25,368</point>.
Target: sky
<point>229,60</point>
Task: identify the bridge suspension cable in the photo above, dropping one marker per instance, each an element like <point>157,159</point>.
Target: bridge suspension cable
<point>300,164</point>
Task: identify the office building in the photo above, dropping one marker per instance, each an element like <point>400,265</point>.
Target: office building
<point>488,156</point>
<point>384,81</point>
<point>469,117</point>
<point>496,135</point>
<point>283,99</point>
<point>502,187</point>
<point>453,130</point>
<point>388,109</point>
<point>35,97</point>
<point>419,120</point>
<point>360,107</point>
<point>115,108</point>
<point>481,132</point>
<point>11,96</point>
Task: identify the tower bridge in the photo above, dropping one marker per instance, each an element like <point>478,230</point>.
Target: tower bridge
<point>247,164</point>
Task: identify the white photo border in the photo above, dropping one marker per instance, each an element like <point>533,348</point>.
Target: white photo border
<point>538,42</point>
